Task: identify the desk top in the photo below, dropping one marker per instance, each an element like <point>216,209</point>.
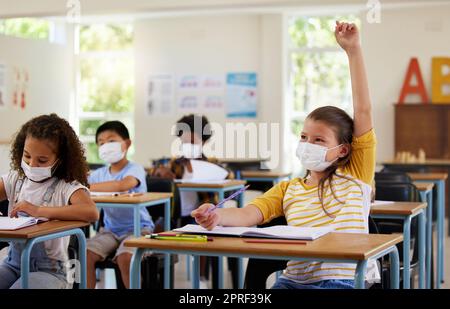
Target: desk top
<point>332,245</point>
<point>42,229</point>
<point>397,208</point>
<point>230,183</point>
<point>137,199</point>
<point>424,186</point>
<point>428,162</point>
<point>263,174</point>
<point>428,176</point>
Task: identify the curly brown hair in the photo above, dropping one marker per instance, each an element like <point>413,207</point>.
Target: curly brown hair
<point>70,151</point>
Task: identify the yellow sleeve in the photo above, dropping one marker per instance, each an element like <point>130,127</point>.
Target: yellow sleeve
<point>362,161</point>
<point>271,203</point>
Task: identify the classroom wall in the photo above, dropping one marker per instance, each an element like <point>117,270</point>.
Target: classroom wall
<point>207,45</point>
<point>49,88</point>
<point>421,32</point>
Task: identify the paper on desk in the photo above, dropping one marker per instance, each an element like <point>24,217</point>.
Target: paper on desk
<point>377,203</point>
<point>107,193</point>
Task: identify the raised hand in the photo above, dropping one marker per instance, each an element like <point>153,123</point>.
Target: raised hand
<point>347,36</point>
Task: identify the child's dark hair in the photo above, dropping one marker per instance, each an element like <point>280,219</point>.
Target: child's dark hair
<point>342,125</point>
<point>197,124</point>
<point>115,126</point>
<point>70,151</point>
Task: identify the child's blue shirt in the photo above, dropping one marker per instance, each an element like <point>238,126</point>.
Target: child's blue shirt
<point>117,220</point>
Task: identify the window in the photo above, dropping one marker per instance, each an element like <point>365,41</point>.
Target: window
<point>318,74</point>
<point>105,81</point>
<point>27,28</point>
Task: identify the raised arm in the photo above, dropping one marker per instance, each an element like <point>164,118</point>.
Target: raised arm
<point>347,36</point>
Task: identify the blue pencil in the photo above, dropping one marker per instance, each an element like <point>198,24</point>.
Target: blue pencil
<point>228,198</point>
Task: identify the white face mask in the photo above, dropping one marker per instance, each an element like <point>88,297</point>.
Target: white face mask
<point>191,151</point>
<point>313,157</point>
<point>37,174</point>
<point>111,152</point>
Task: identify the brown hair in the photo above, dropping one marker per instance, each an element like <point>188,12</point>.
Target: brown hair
<point>70,151</point>
<point>342,125</point>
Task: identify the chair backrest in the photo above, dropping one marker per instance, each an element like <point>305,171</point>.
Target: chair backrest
<point>4,207</point>
<point>158,184</point>
<point>392,177</point>
<point>406,169</point>
<point>399,192</point>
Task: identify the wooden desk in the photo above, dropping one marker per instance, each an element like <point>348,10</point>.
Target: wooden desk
<point>424,186</point>
<point>333,247</point>
<point>264,176</point>
<point>406,211</point>
<point>439,180</point>
<point>219,188</point>
<point>47,231</point>
<point>136,203</point>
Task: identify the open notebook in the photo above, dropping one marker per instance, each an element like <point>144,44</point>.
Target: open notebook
<point>276,231</point>
<point>7,223</point>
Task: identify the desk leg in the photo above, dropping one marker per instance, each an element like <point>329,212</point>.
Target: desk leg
<point>137,220</point>
<point>135,269</point>
<point>441,222</point>
<point>406,246</point>
<point>25,263</point>
<point>196,272</point>
<point>82,256</point>
<point>167,256</point>
<point>240,261</point>
<point>421,250</point>
<point>394,268</point>
<point>360,274</point>
<point>220,259</point>
<point>429,228</point>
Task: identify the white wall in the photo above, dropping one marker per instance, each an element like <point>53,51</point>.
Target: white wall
<point>206,45</point>
<point>49,87</point>
<point>417,32</point>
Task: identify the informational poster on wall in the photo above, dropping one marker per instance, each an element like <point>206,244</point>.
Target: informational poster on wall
<point>200,93</point>
<point>2,85</point>
<point>160,95</point>
<point>241,96</point>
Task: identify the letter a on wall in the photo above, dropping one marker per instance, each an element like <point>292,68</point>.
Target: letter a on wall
<point>408,88</point>
<point>440,79</point>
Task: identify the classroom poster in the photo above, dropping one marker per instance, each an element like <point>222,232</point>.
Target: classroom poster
<point>160,95</point>
<point>2,85</point>
<point>241,98</point>
<point>213,90</point>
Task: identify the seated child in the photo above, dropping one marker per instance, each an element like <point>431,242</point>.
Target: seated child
<point>48,179</point>
<point>338,153</point>
<point>120,175</point>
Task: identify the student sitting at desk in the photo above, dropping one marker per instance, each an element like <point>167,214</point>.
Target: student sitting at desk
<point>194,131</point>
<point>120,175</point>
<point>339,155</point>
<point>48,179</point>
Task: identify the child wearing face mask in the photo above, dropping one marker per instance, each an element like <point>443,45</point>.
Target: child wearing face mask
<point>48,179</point>
<point>339,155</point>
<point>119,175</point>
<point>194,131</point>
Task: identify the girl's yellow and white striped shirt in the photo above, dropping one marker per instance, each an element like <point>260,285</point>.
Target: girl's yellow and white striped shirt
<point>347,209</point>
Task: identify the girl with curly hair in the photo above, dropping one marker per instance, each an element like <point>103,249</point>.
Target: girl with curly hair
<point>48,178</point>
